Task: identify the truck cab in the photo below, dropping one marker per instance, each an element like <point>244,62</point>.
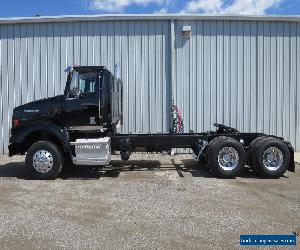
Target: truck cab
<point>91,104</point>
<point>91,100</point>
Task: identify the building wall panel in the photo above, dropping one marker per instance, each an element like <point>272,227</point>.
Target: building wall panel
<point>244,74</point>
<point>34,56</point>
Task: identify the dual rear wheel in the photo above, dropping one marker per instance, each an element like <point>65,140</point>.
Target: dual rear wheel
<point>226,157</point>
<point>268,157</point>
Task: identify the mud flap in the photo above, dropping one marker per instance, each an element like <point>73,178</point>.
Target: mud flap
<point>292,152</point>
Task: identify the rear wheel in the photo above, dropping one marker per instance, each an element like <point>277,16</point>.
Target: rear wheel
<point>251,149</point>
<point>226,157</point>
<point>271,158</point>
<point>44,160</point>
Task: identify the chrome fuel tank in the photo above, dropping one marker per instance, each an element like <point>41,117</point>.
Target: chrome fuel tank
<point>92,152</point>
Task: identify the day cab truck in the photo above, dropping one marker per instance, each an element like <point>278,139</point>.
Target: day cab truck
<point>81,126</point>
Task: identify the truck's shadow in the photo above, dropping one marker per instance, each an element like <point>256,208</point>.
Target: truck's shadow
<point>18,170</point>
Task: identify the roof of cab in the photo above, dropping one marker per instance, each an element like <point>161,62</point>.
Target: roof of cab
<point>88,68</point>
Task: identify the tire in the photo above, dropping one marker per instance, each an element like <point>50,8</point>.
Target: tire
<point>254,149</point>
<point>226,146</point>
<point>125,155</point>
<point>203,159</point>
<point>250,150</point>
<point>44,160</point>
<point>272,168</point>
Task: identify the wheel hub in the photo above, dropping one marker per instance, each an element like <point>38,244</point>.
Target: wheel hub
<point>228,158</point>
<point>42,161</point>
<point>273,158</point>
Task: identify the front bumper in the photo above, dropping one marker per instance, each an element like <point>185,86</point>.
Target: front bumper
<point>14,149</point>
<point>11,150</point>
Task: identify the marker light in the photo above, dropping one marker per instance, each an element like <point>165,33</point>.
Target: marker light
<point>16,123</point>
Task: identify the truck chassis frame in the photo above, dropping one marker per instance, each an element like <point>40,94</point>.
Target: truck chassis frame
<point>198,142</point>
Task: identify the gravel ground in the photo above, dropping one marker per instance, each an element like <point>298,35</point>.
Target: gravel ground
<point>156,202</point>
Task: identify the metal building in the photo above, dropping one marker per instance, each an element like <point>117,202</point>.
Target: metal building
<point>238,70</point>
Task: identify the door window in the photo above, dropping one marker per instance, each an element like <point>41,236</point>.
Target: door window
<point>84,83</point>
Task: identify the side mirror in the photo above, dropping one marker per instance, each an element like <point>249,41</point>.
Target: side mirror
<point>76,92</point>
<point>79,94</point>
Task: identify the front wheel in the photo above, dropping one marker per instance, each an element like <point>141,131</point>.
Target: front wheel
<point>226,157</point>
<point>44,160</point>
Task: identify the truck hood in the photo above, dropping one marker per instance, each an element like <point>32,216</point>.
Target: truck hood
<point>34,109</point>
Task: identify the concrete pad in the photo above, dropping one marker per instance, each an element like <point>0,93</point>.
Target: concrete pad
<point>153,202</point>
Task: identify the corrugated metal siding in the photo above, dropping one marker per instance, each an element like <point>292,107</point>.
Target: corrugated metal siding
<point>34,56</point>
<point>240,73</point>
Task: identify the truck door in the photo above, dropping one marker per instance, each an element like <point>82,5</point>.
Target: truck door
<point>81,106</point>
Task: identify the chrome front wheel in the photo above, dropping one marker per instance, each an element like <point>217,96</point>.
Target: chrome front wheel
<point>42,161</point>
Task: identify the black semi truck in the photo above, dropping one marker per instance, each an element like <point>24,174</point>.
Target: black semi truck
<point>81,126</point>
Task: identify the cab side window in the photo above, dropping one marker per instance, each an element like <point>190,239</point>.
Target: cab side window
<point>86,83</point>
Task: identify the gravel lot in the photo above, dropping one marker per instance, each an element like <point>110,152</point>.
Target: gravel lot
<point>156,202</point>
